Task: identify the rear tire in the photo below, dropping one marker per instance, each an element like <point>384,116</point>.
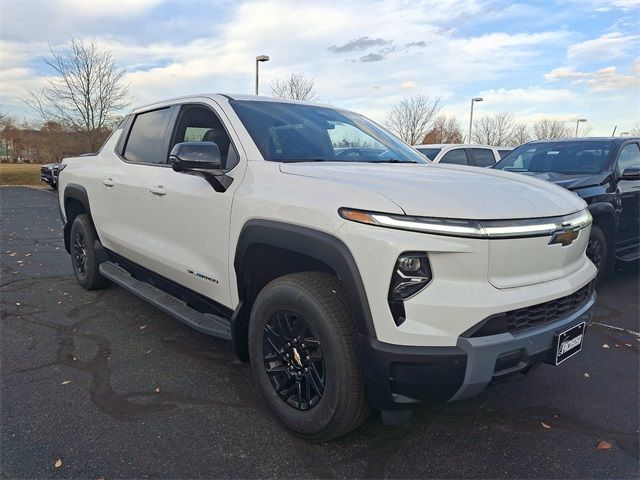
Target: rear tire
<point>304,355</point>
<point>598,252</point>
<point>84,258</point>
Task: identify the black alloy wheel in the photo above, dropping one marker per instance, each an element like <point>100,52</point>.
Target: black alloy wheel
<point>293,360</point>
<point>595,252</point>
<point>80,252</point>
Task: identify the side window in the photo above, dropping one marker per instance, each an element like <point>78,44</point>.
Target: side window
<point>483,157</point>
<point>198,123</point>
<point>503,153</point>
<point>456,157</point>
<point>146,139</point>
<point>629,157</point>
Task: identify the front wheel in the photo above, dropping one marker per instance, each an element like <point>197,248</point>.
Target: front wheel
<point>598,251</point>
<point>84,257</point>
<point>304,355</point>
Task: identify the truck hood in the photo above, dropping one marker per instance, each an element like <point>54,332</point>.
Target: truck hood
<point>448,191</point>
<point>572,181</point>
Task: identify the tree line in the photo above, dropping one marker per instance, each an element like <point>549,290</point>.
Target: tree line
<point>81,104</point>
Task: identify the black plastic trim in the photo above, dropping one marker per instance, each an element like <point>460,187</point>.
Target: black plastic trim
<point>75,192</point>
<point>194,300</point>
<point>400,377</point>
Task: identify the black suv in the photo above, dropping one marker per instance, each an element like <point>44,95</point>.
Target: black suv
<point>605,172</point>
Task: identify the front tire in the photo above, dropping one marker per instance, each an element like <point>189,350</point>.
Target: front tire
<point>598,251</point>
<point>84,257</point>
<point>304,356</point>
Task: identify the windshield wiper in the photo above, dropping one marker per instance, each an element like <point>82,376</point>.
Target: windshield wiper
<point>392,160</point>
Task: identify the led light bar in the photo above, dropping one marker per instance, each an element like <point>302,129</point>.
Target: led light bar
<point>517,228</point>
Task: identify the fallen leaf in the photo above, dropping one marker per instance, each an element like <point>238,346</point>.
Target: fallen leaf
<point>605,346</point>
<point>65,382</point>
<point>58,463</point>
<point>18,304</point>
<point>628,344</point>
<point>544,425</point>
<point>148,351</point>
<point>604,445</point>
<point>157,390</point>
<point>586,375</point>
<point>142,327</point>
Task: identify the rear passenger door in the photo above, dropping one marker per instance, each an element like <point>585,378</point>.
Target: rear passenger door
<point>190,220</point>
<point>124,201</point>
<point>456,156</point>
<point>483,157</point>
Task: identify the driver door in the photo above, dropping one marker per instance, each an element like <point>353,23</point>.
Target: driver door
<point>629,226</point>
<point>192,219</point>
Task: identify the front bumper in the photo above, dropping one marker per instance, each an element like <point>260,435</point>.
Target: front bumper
<point>400,377</point>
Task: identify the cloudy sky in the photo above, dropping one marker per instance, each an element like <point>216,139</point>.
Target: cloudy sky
<point>561,59</point>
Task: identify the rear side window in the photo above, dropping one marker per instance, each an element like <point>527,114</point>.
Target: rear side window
<point>146,140</point>
<point>483,157</point>
<point>503,153</point>
<point>455,157</point>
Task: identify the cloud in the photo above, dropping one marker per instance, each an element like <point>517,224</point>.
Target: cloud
<point>421,43</point>
<point>361,43</point>
<point>408,85</point>
<point>602,80</point>
<point>372,57</point>
<point>606,47</point>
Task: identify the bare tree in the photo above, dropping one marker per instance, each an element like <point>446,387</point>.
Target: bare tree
<point>547,129</point>
<point>412,117</point>
<point>519,135</point>
<point>445,130</point>
<point>85,94</point>
<point>635,130</point>
<point>494,130</point>
<point>295,87</point>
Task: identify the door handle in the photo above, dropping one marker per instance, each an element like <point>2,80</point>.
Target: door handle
<point>108,182</point>
<point>158,190</point>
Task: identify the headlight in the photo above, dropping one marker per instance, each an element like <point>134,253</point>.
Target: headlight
<point>518,228</point>
<point>411,274</point>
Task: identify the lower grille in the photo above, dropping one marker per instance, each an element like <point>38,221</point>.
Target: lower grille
<point>528,317</point>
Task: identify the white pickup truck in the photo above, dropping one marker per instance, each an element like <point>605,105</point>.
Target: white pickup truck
<point>350,281</point>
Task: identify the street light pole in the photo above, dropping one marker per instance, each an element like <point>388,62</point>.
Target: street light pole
<point>260,58</point>
<point>578,121</point>
<point>476,99</point>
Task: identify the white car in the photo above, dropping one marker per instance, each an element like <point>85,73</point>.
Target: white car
<point>350,281</point>
<point>463,154</point>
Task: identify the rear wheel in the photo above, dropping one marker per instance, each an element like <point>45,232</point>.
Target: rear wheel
<point>598,251</point>
<point>304,356</point>
<point>84,257</point>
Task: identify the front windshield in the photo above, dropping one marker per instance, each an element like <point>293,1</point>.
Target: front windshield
<point>566,157</point>
<point>289,132</point>
<point>430,153</point>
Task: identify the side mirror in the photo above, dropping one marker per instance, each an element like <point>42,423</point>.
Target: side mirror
<point>631,173</point>
<point>203,159</point>
<point>196,156</point>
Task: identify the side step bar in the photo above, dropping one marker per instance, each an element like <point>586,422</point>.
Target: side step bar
<point>202,322</point>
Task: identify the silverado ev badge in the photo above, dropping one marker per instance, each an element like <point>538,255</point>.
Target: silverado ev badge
<point>565,237</point>
<point>201,275</point>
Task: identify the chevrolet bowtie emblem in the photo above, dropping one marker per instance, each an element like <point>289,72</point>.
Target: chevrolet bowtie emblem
<point>564,237</point>
<point>296,357</point>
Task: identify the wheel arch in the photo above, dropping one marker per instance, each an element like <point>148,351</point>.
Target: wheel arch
<point>76,202</point>
<point>268,249</point>
<point>604,216</point>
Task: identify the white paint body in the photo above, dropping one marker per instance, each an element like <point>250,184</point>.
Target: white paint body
<point>192,226</point>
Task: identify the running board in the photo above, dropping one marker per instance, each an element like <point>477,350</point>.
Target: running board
<point>206,323</point>
<point>628,253</point>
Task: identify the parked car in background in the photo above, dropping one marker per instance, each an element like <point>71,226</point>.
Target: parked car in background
<point>462,154</point>
<point>350,279</point>
<point>49,174</point>
<point>605,172</point>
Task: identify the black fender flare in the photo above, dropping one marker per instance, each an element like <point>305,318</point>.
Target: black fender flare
<point>75,192</point>
<point>320,246</point>
<point>605,210</point>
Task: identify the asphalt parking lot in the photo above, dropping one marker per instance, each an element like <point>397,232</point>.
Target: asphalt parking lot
<point>113,388</point>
